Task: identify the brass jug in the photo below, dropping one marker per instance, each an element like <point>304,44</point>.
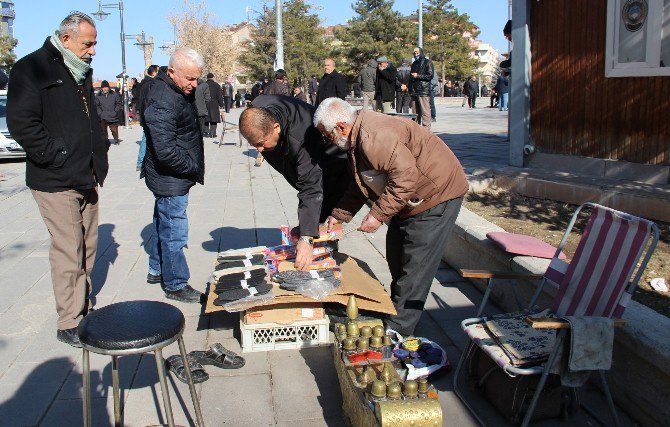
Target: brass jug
<point>352,308</point>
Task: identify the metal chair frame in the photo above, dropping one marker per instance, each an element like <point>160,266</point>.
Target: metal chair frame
<point>542,369</point>
<point>160,365</point>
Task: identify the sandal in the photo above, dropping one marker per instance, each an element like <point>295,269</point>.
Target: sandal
<point>175,364</point>
<point>217,355</point>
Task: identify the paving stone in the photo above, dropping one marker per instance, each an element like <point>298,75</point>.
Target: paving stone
<point>304,384</point>
<point>245,400</point>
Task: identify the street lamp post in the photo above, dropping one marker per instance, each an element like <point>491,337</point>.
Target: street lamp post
<point>101,15</point>
<point>279,59</point>
<point>420,24</point>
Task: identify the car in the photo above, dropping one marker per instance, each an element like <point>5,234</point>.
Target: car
<point>9,149</point>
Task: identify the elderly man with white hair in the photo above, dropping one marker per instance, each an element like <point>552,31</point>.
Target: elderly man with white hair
<point>174,163</point>
<point>416,185</point>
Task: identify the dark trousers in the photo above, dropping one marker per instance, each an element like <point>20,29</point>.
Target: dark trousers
<point>414,248</point>
<point>114,128</point>
<point>402,100</point>
<point>202,121</point>
<point>472,99</point>
<point>227,103</point>
<point>211,128</point>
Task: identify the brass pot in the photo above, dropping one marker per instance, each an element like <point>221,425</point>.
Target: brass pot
<point>387,374</point>
<point>371,373</point>
<point>376,342</point>
<point>363,344</point>
<point>378,331</point>
<point>410,389</point>
<point>378,389</point>
<point>423,385</point>
<point>352,330</point>
<point>394,391</point>
<point>349,344</point>
<point>366,331</point>
<point>386,340</point>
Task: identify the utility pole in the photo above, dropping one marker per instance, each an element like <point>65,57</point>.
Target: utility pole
<point>420,24</point>
<point>279,59</point>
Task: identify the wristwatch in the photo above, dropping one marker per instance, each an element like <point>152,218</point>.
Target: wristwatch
<point>307,239</point>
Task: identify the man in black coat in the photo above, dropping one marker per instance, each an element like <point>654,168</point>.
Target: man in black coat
<point>51,113</point>
<point>281,129</point>
<point>385,84</point>
<point>471,87</point>
<point>332,84</point>
<point>215,105</point>
<point>421,73</point>
<point>174,162</point>
<point>145,87</point>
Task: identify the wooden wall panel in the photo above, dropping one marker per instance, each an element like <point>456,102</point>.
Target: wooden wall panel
<point>574,108</point>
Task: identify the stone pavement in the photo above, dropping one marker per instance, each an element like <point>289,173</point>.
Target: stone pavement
<point>239,205</point>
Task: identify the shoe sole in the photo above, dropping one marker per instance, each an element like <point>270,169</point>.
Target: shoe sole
<point>180,299</point>
<point>154,281</point>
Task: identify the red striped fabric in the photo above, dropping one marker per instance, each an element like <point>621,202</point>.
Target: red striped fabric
<point>602,266</point>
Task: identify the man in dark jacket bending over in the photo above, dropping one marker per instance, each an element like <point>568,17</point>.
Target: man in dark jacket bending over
<point>174,162</point>
<point>281,129</point>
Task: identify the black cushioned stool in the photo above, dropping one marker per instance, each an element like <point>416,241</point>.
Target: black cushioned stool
<point>133,327</point>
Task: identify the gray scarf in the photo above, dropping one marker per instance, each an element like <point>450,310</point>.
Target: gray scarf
<point>77,67</point>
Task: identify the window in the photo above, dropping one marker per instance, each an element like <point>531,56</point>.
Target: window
<point>638,38</point>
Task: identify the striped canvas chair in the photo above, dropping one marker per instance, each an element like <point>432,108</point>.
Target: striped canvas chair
<point>599,281</point>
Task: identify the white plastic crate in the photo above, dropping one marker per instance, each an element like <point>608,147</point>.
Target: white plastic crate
<point>274,336</point>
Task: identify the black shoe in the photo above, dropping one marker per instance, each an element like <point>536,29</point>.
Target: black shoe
<point>186,294</point>
<point>154,278</point>
<point>69,336</point>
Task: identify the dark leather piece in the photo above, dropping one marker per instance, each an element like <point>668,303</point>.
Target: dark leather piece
<point>131,324</point>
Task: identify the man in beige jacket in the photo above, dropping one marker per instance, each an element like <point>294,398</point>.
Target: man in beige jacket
<point>416,184</point>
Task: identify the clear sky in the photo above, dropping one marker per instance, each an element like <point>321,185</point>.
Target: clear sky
<point>37,19</point>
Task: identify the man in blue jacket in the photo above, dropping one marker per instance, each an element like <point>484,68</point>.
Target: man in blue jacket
<point>174,162</point>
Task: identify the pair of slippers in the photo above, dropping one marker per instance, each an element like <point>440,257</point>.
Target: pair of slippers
<point>234,294</point>
<point>217,355</point>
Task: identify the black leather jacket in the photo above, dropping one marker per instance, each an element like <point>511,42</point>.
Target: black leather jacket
<point>420,85</point>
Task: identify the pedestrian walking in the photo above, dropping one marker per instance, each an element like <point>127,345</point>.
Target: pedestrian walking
<point>421,73</point>
<point>384,85</point>
<point>215,106</point>
<point>145,87</point>
<point>174,163</point>
<point>402,96</point>
<point>313,89</point>
<point>332,84</point>
<point>367,79</point>
<point>472,89</point>
<point>502,87</point>
<point>108,106</point>
<point>51,114</point>
<point>227,91</point>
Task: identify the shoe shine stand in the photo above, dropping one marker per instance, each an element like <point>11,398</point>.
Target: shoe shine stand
<point>373,390</point>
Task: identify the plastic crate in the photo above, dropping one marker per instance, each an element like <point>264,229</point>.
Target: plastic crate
<point>274,336</point>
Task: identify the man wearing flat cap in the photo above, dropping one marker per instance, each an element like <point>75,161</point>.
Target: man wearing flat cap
<point>385,84</point>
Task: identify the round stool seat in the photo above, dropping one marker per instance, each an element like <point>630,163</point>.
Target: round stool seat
<point>131,325</point>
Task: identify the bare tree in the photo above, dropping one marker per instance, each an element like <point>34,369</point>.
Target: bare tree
<point>195,29</point>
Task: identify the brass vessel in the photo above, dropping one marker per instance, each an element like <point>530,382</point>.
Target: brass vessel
<point>423,385</point>
<point>387,374</point>
<point>352,308</point>
<point>394,391</point>
<point>363,344</point>
<point>371,373</point>
<point>386,340</point>
<point>376,343</point>
<point>363,378</point>
<point>352,330</point>
<point>410,389</point>
<point>402,413</point>
<point>378,331</point>
<point>378,389</point>
<point>349,344</point>
<point>365,331</point>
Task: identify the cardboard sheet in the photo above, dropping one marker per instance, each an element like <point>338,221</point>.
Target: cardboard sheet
<point>370,293</point>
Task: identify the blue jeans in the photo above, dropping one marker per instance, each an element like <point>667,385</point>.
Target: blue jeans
<point>169,235</point>
<point>142,151</point>
<point>502,101</point>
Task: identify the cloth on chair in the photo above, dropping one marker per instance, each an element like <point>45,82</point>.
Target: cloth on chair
<point>589,349</point>
<point>520,244</point>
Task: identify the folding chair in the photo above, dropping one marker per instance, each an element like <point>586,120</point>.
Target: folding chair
<point>597,282</point>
